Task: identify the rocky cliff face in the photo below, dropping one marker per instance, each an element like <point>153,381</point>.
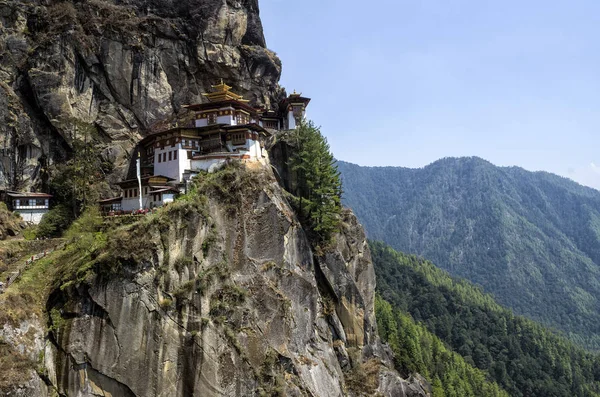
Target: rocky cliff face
<point>219,294</point>
<point>106,71</point>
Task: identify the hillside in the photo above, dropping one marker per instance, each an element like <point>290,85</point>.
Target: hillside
<point>520,355</point>
<point>530,239</point>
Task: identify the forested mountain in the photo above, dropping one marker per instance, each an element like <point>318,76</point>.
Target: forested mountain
<point>521,356</point>
<point>530,239</point>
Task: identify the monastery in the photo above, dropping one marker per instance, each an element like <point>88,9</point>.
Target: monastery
<point>226,128</point>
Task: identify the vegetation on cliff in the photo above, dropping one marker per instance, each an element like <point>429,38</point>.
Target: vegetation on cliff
<point>319,188</point>
<point>530,239</point>
<point>11,224</point>
<point>520,355</point>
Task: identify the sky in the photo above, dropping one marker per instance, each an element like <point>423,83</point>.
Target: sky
<point>407,82</point>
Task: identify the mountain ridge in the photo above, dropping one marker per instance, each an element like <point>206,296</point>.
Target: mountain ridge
<point>516,233</point>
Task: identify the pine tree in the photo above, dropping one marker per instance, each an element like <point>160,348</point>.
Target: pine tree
<point>319,185</point>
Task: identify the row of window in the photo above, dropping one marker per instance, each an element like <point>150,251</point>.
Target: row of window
<point>130,193</point>
<point>133,193</point>
<point>29,203</point>
<point>240,118</point>
<point>172,155</point>
<point>188,143</point>
<point>238,138</point>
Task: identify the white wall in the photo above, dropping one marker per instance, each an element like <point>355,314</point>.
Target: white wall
<point>132,204</point>
<point>168,198</point>
<point>226,119</point>
<point>291,120</point>
<point>184,162</point>
<point>34,216</point>
<point>169,168</point>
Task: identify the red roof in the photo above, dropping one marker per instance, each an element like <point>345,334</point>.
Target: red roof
<point>162,189</point>
<point>110,200</point>
<point>28,195</point>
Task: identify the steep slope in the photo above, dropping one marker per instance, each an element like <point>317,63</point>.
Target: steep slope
<point>524,358</point>
<point>106,71</point>
<point>217,294</point>
<point>11,224</point>
<point>531,239</point>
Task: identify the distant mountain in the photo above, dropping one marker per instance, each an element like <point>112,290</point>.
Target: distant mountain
<point>532,239</point>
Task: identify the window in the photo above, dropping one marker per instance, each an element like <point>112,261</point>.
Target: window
<point>175,155</point>
<point>40,202</point>
<point>170,156</point>
<point>165,156</point>
<point>159,157</point>
<point>212,118</point>
<point>238,138</point>
<point>135,192</point>
<point>145,190</point>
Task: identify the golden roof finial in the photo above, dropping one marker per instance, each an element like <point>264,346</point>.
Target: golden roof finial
<point>222,93</point>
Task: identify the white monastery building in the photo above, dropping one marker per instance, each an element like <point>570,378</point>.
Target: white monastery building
<point>225,128</point>
<point>31,206</point>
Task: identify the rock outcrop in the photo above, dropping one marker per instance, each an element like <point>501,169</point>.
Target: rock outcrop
<point>222,296</point>
<point>108,71</point>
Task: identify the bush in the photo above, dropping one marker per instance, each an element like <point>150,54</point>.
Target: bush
<point>55,222</point>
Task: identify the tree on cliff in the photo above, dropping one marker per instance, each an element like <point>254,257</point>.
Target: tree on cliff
<point>319,187</point>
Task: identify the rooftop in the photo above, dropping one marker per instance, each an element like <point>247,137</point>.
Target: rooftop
<point>28,195</point>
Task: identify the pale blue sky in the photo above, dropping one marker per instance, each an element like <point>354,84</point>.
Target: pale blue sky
<point>405,83</point>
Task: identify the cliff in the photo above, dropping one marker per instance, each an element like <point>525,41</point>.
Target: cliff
<point>218,294</point>
<point>105,72</point>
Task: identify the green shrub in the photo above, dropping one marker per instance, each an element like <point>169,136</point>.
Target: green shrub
<point>53,223</point>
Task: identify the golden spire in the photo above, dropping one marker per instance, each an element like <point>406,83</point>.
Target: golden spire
<point>221,92</point>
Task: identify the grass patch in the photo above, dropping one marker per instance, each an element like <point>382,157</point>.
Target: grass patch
<point>363,378</point>
<point>14,367</point>
<point>165,303</point>
<point>182,294</point>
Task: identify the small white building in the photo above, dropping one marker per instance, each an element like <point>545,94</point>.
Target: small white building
<point>156,192</point>
<point>31,206</point>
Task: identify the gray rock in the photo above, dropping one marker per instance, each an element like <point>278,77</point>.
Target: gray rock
<point>118,70</point>
<point>225,303</point>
